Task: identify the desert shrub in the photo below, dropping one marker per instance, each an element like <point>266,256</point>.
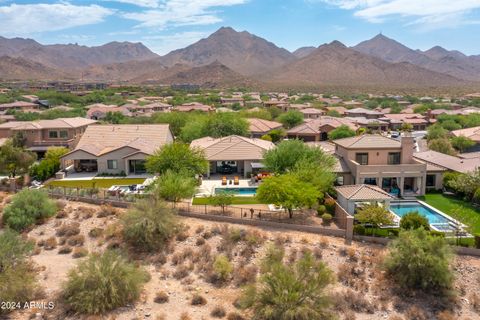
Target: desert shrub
<point>198,300</point>
<point>353,300</point>
<point>68,230</point>
<point>95,232</point>
<point>222,268</point>
<point>161,297</point>
<point>414,220</point>
<point>200,242</point>
<point>17,278</point>
<point>79,253</point>
<point>418,260</point>
<point>291,291</point>
<point>185,316</point>
<point>50,243</point>
<point>149,225</point>
<point>327,218</point>
<point>199,229</point>
<point>76,241</point>
<point>62,214</point>
<point>61,204</point>
<point>274,255</point>
<point>107,210</point>
<point>218,312</point>
<point>244,275</point>
<point>321,210</point>
<point>65,250</point>
<point>182,236</point>
<point>415,313</point>
<point>329,204</point>
<point>254,237</point>
<point>181,271</point>
<point>235,316</point>
<point>102,283</point>
<point>28,207</point>
<point>446,315</point>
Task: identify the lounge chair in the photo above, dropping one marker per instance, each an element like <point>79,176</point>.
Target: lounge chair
<point>236,181</point>
<point>224,181</point>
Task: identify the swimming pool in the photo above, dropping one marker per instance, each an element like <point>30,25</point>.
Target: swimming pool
<point>438,221</point>
<point>238,191</point>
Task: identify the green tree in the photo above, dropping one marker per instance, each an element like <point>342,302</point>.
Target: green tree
<point>436,131</point>
<point>414,220</point>
<point>451,125</point>
<point>289,153</point>
<point>177,157</point>
<point>442,145</point>
<point>28,207</point>
<point>49,165</point>
<point>334,113</point>
<point>374,215</point>
<point>15,160</point>
<point>103,283</point>
<point>288,191</point>
<point>114,117</point>
<point>291,291</point>
<point>417,260</point>
<point>343,131</point>
<point>173,186</point>
<point>176,120</point>
<point>319,173</point>
<point>291,118</point>
<point>149,224</point>
<point>406,127</point>
<point>276,135</point>
<point>462,143</point>
<point>222,199</point>
<point>215,125</point>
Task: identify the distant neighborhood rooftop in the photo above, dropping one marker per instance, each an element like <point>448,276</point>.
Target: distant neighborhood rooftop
<point>46,124</point>
<point>261,125</point>
<point>368,141</point>
<point>448,162</point>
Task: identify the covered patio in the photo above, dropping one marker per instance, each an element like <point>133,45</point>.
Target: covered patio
<point>353,196</point>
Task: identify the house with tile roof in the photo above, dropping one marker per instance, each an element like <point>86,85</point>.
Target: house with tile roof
<point>233,154</point>
<point>116,149</point>
<point>43,134</point>
<point>471,133</point>
<point>260,127</point>
<point>312,113</point>
<point>318,129</point>
<point>384,162</point>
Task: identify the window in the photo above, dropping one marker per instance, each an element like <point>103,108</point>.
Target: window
<point>112,164</point>
<point>430,180</point>
<point>362,158</point>
<point>340,181</point>
<point>394,158</point>
<point>53,134</point>
<point>370,181</point>
<point>63,134</point>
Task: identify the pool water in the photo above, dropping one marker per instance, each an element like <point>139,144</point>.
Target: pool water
<point>238,191</point>
<point>434,218</point>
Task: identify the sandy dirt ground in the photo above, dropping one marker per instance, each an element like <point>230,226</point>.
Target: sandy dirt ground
<point>356,265</point>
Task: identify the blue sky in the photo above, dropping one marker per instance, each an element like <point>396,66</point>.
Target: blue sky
<point>164,25</point>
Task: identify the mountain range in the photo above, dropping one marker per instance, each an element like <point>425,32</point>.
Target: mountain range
<point>231,58</point>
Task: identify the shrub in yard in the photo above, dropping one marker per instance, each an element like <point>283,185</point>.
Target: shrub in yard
<point>321,210</point>
<point>198,300</point>
<point>414,220</point>
<point>359,229</point>
<point>330,205</point>
<point>222,268</point>
<point>102,283</point>
<point>295,291</point>
<point>418,260</point>
<point>149,225</point>
<point>17,278</point>
<point>327,218</point>
<point>161,297</point>
<point>28,207</point>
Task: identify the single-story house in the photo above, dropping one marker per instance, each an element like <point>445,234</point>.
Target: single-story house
<point>116,149</point>
<point>260,127</point>
<point>233,154</point>
<point>312,113</point>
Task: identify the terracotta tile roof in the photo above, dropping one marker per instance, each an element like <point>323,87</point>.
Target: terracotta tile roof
<point>314,126</point>
<point>363,192</point>
<point>262,126</point>
<point>368,141</point>
<point>18,104</point>
<point>232,148</point>
<point>449,162</point>
<point>472,133</point>
<point>102,139</point>
<point>312,111</point>
<point>59,123</point>
<point>193,106</point>
<point>363,111</point>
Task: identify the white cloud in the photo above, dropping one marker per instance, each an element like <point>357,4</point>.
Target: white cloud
<point>163,44</point>
<point>181,13</point>
<point>428,13</point>
<point>22,20</point>
<point>140,3</point>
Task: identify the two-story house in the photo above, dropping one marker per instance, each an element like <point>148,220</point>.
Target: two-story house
<point>39,135</point>
<point>385,162</point>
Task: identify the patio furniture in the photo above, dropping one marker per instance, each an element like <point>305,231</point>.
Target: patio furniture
<point>236,181</point>
<point>224,181</point>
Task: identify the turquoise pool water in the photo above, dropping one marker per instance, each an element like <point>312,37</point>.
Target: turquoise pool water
<point>434,218</point>
<point>238,191</point>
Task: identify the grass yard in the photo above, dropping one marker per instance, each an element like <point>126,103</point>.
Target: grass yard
<point>468,214</point>
<point>236,200</point>
<point>97,183</point>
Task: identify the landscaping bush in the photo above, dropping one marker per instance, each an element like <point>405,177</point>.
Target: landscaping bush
<point>28,207</point>
<point>321,210</point>
<point>414,220</point>
<point>17,278</point>
<point>102,283</point>
<point>418,260</point>
<point>327,218</point>
<point>359,229</point>
<point>330,205</point>
<point>149,225</point>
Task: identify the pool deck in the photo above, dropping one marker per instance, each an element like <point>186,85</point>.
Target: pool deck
<point>208,186</point>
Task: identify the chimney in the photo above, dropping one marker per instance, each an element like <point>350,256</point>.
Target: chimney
<point>408,145</point>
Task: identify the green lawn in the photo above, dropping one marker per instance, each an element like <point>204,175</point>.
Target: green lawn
<point>236,200</point>
<point>468,215</point>
<point>97,183</point>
